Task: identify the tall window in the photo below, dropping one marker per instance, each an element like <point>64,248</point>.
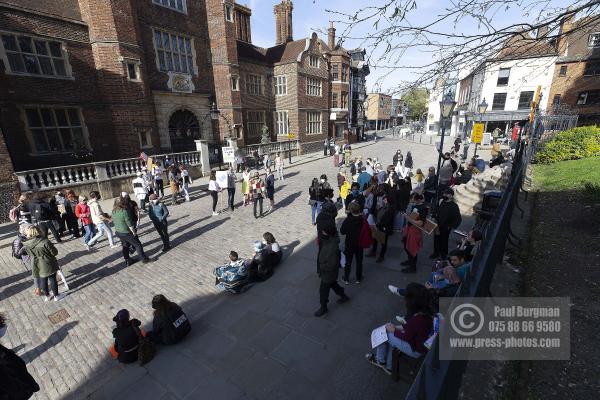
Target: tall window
<point>235,83</point>
<point>499,101</point>
<point>281,123</point>
<point>55,129</point>
<point>556,100</point>
<point>344,100</point>
<point>562,71</point>
<point>344,73</point>
<point>335,72</point>
<point>591,69</point>
<point>280,85</point>
<point>334,100</point>
<point>525,99</point>
<point>29,55</point>
<point>313,87</point>
<point>314,61</point>
<point>228,13</point>
<point>178,5</point>
<point>313,123</point>
<point>256,120</point>
<point>174,52</point>
<point>254,84</point>
<point>503,75</point>
<point>594,39</point>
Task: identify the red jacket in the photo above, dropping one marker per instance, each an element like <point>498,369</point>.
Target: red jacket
<point>414,239</point>
<point>82,211</point>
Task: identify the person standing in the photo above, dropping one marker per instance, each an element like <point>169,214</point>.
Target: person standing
<point>246,186</point>
<point>140,190</point>
<point>412,236</point>
<point>158,171</point>
<point>186,181</point>
<point>231,189</point>
<point>270,187</point>
<point>174,184</point>
<point>267,161</point>
<point>279,165</point>
<point>328,261</point>
<point>214,189</point>
<point>326,147</point>
<point>17,383</point>
<point>313,195</point>
<point>100,219</point>
<point>158,213</point>
<point>430,186</point>
<point>408,163</point>
<point>352,227</point>
<point>70,217</point>
<point>42,216</point>
<point>44,261</point>
<point>385,225</point>
<point>257,189</point>
<point>336,155</point>
<point>355,195</point>
<point>448,218</point>
<point>126,231</point>
<point>82,211</point>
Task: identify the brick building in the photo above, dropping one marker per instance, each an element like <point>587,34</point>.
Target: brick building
<point>576,81</point>
<point>378,111</point>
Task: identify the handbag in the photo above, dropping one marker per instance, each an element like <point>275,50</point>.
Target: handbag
<point>146,349</point>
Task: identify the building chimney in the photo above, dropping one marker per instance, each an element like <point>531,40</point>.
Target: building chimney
<point>566,24</point>
<point>283,21</point>
<point>542,32</point>
<point>331,36</point>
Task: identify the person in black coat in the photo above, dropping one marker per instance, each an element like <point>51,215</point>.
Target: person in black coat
<point>328,261</point>
<point>384,223</point>
<point>355,195</point>
<point>170,324</point>
<point>126,335</point>
<point>351,227</point>
<point>15,381</point>
<point>430,186</point>
<point>448,218</point>
<point>403,194</point>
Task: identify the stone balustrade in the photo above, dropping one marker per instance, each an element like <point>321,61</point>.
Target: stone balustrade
<point>272,148</point>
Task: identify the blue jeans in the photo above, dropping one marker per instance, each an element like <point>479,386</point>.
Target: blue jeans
<point>316,209</point>
<point>102,229</point>
<point>89,233</point>
<point>383,352</point>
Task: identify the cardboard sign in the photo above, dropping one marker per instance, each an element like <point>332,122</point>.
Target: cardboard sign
<point>429,226</point>
<point>222,179</point>
<point>228,154</point>
<point>477,134</point>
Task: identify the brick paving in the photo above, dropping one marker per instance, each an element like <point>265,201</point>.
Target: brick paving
<point>264,343</point>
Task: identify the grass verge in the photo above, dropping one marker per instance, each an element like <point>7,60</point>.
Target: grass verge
<point>569,175</point>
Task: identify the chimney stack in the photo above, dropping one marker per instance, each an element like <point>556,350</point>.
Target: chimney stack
<point>283,21</point>
<point>566,24</point>
<point>331,36</point>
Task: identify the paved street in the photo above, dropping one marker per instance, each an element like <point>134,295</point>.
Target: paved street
<point>262,344</point>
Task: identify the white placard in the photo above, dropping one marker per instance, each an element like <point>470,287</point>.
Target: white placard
<point>228,154</point>
<point>222,179</point>
<point>378,336</point>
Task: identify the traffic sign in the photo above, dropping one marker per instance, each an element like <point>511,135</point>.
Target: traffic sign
<point>477,134</point>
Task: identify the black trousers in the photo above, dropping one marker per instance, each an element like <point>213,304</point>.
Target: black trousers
<point>258,201</point>
<point>45,225</point>
<point>161,228</point>
<point>230,197</point>
<point>350,253</point>
<point>440,242</point>
<point>72,225</point>
<point>53,284</point>
<point>215,196</point>
<point>160,189</point>
<point>324,291</point>
<point>127,239</point>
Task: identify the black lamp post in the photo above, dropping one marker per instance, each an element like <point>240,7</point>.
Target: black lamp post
<point>446,108</point>
<point>481,108</point>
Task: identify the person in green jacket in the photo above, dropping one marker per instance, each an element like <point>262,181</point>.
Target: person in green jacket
<point>329,267</point>
<point>158,214</point>
<point>126,231</point>
<point>44,264</point>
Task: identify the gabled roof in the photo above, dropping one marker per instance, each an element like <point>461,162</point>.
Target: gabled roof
<point>283,53</point>
<point>522,45</point>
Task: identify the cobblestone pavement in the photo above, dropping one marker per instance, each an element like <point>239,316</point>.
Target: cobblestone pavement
<point>264,343</point>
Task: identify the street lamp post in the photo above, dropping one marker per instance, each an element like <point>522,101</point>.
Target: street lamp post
<point>446,108</point>
<point>481,108</point>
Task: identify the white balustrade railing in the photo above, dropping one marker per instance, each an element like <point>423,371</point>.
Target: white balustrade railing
<point>271,148</point>
<point>55,178</point>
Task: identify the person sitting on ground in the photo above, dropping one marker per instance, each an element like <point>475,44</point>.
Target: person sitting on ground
<point>464,174</point>
<point>457,259</point>
<point>127,335</point>
<point>273,250</point>
<point>409,337</point>
<point>498,160</point>
<point>479,164</point>
<point>170,324</point>
<point>260,267</point>
<point>231,273</point>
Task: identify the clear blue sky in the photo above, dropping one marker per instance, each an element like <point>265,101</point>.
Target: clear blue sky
<point>310,15</point>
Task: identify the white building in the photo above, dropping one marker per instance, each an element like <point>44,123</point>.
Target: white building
<point>441,88</point>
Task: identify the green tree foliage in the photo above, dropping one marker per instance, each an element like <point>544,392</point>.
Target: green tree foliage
<point>573,144</point>
<point>416,100</point>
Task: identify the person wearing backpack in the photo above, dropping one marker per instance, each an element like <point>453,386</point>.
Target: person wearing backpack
<point>351,228</point>
<point>42,216</point>
<point>448,218</point>
<point>170,324</point>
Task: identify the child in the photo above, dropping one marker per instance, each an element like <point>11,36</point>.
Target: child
<point>419,176</point>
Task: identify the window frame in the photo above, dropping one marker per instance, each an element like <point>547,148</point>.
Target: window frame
<point>314,57</point>
<point>314,123</point>
<point>562,71</point>
<point>148,134</point>
<point>259,124</point>
<point>235,83</point>
<point>228,12</point>
<point>521,102</point>
<point>582,96</point>
<point>165,51</point>
<point>57,126</point>
<point>312,87</point>
<point>503,104</point>
<point>556,97</point>
<point>593,67</point>
<point>4,55</point>
<point>167,6</point>
<point>281,126</point>
<point>334,100</point>
<point>498,83</point>
<point>280,85</point>
<point>594,40</point>
<point>335,72</point>
<point>345,73</point>
<point>344,101</point>
<point>254,85</point>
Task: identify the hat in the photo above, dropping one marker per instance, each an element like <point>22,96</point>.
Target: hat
<point>258,245</point>
<point>122,316</point>
<point>153,196</point>
<point>449,191</point>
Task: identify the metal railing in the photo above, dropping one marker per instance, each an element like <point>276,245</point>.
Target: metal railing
<point>441,379</point>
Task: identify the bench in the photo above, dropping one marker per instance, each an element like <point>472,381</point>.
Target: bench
<point>405,367</point>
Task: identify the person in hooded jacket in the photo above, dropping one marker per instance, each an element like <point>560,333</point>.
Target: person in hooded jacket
<point>101,220</point>
<point>44,264</point>
<point>16,382</point>
<point>351,228</point>
<point>127,336</point>
<point>170,324</point>
<point>328,260</point>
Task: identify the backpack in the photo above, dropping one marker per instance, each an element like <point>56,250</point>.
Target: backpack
<point>13,214</point>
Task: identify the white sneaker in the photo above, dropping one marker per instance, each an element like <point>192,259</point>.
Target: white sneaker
<point>393,289</point>
<point>215,213</point>
<point>59,297</point>
<point>87,246</point>
<point>46,298</point>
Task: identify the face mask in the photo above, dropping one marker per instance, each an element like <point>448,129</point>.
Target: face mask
<point>322,180</point>
<point>3,331</point>
<point>355,191</point>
